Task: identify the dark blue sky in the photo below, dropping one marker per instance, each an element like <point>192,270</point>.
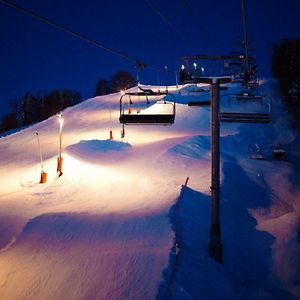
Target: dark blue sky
<point>34,57</point>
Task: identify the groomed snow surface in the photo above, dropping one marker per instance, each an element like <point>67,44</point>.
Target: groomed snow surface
<point>108,227</point>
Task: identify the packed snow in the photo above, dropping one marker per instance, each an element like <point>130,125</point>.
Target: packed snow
<point>120,224</point>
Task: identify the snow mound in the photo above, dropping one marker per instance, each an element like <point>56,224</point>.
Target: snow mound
<point>197,147</point>
<point>101,145</point>
<point>96,149</point>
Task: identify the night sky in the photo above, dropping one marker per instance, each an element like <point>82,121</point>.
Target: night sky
<point>35,57</point>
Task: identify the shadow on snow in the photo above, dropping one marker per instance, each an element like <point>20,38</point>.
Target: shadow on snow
<point>246,274</point>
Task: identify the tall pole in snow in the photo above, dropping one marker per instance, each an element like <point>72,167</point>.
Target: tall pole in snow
<point>110,123</point>
<point>215,243</point>
<point>40,151</point>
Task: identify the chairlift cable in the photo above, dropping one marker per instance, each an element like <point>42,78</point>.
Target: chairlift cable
<point>165,19</point>
<point>159,13</point>
<point>197,22</point>
<point>78,35</point>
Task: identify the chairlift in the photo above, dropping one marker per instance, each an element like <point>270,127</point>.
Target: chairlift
<point>248,96</point>
<point>223,87</point>
<point>196,93</point>
<point>252,84</point>
<point>247,117</point>
<point>256,152</point>
<point>279,154</point>
<point>198,90</point>
<point>235,117</point>
<point>141,117</point>
<point>199,103</point>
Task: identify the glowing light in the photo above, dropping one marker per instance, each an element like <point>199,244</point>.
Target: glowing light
<point>195,65</point>
<point>60,120</point>
<point>182,67</point>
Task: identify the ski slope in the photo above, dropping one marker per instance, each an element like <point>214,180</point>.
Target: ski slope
<point>106,229</point>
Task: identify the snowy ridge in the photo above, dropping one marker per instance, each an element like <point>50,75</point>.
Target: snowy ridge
<point>108,227</point>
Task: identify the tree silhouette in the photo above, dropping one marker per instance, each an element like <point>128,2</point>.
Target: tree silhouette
<point>34,108</point>
<point>102,88</point>
<point>122,80</point>
<point>286,68</point>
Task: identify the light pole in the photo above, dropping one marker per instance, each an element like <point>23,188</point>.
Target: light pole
<point>166,68</point>
<point>182,75</point>
<point>60,158</point>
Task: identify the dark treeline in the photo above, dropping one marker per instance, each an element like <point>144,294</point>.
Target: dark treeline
<point>121,80</point>
<point>34,108</point>
<point>286,68</point>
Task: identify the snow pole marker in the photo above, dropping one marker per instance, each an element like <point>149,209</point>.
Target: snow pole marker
<point>43,178</point>
<point>110,131</point>
<point>177,245</point>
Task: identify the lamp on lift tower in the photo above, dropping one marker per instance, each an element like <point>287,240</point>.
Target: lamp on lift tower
<point>195,68</point>
<point>166,68</point>
<point>60,158</point>
<point>202,70</point>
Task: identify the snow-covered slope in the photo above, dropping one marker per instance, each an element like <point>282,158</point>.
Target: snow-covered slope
<point>106,228</point>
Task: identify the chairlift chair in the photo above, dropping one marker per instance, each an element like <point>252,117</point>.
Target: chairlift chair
<point>256,152</point>
<point>278,154</point>
<point>248,96</point>
<point>142,118</point>
<point>235,117</point>
<point>199,103</point>
<point>247,117</point>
